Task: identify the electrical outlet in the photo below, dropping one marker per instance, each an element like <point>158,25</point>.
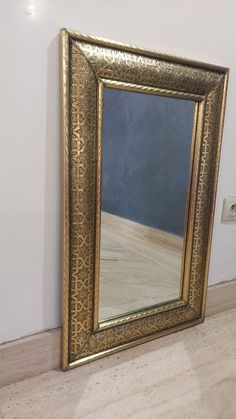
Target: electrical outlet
<point>229,209</point>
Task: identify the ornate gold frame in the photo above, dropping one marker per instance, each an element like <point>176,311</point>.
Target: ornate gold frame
<point>87,64</point>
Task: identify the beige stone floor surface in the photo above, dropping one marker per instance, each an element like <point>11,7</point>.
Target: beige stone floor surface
<point>186,375</point>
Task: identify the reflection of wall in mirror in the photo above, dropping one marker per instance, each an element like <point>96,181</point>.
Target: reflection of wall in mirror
<point>146,153</point>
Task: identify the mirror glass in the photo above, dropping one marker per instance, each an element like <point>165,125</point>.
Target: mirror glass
<point>146,156</point>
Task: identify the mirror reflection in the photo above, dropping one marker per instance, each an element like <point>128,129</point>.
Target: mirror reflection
<point>145,180</point>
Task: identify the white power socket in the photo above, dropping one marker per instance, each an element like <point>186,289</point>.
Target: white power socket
<point>229,209</point>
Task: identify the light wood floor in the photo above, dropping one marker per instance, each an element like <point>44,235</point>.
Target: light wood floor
<point>140,266</point>
<point>186,375</point>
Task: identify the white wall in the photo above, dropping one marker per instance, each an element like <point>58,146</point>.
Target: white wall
<point>29,132</point>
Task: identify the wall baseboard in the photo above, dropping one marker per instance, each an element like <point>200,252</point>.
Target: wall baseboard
<point>29,356</point>
<point>221,297</point>
<point>39,353</point>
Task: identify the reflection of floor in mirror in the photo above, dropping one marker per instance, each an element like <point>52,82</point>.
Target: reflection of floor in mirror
<point>140,266</point>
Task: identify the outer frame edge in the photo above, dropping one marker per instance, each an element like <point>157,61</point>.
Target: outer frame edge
<point>217,165</point>
<point>64,77</point>
<point>80,36</point>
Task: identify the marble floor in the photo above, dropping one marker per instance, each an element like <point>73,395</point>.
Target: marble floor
<point>186,375</point>
<point>139,266</point>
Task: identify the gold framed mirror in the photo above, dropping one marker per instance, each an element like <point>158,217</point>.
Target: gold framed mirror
<point>141,135</point>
